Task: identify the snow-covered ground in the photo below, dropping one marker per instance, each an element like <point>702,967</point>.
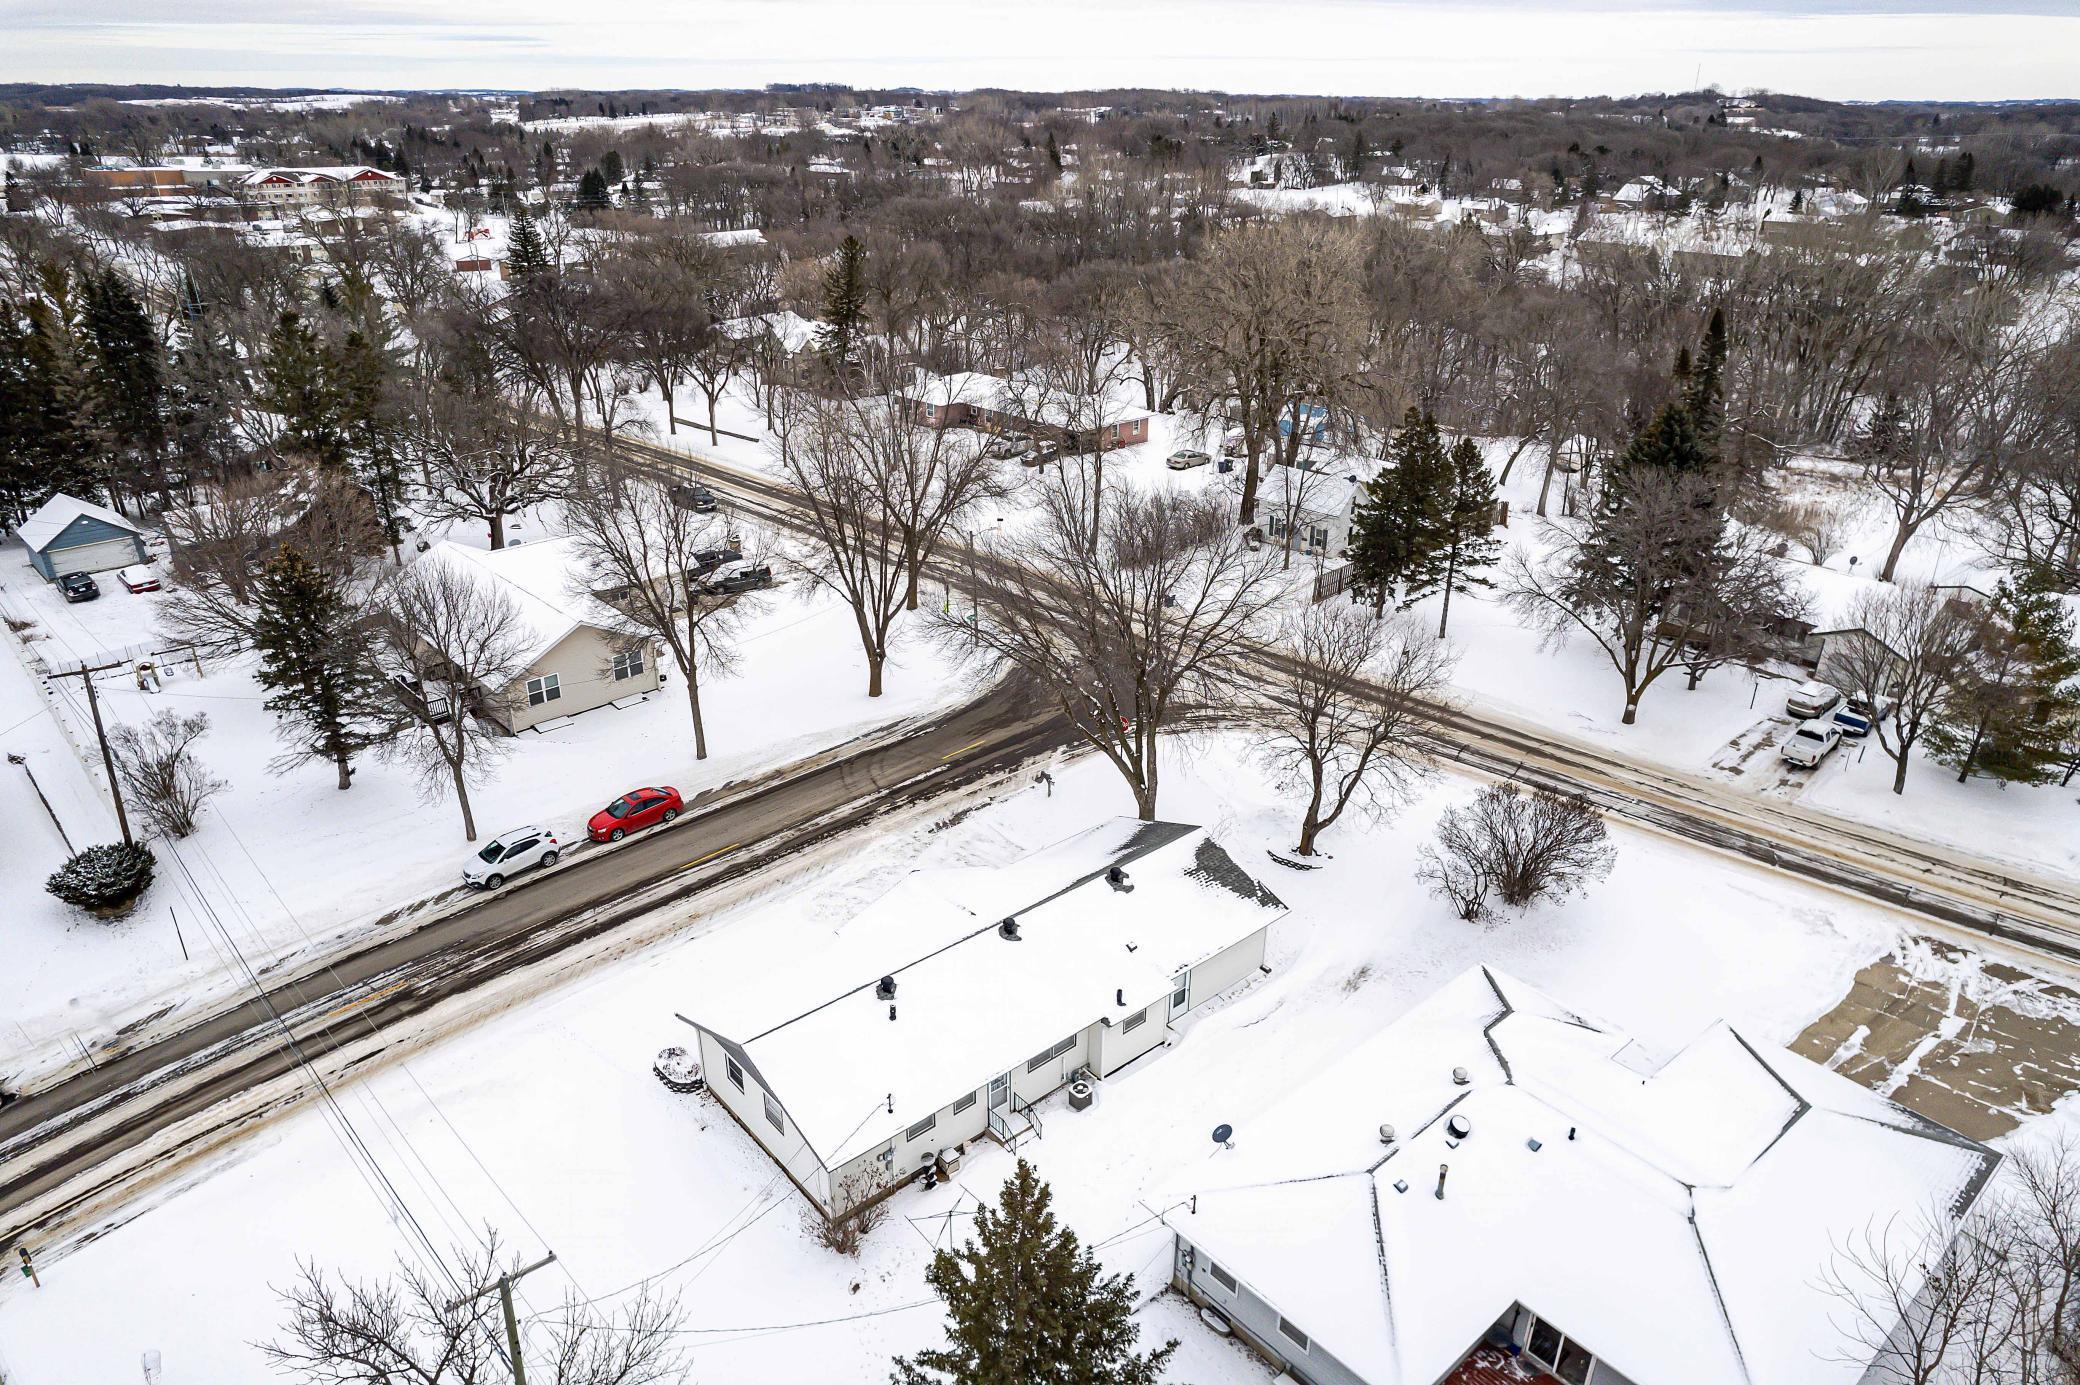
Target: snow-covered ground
<point>547,1124</point>
<point>300,862</point>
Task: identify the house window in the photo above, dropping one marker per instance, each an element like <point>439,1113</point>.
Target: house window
<point>1545,1343</point>
<point>922,1128</point>
<point>628,664</point>
<point>773,1115</point>
<point>736,1074</point>
<point>1064,1046</point>
<point>1221,1276</point>
<point>963,1104</point>
<point>1292,1334</point>
<point>1317,536</point>
<point>1574,1364</point>
<point>1277,526</point>
<point>543,689</point>
<point>1134,1022</point>
<point>1039,1060</point>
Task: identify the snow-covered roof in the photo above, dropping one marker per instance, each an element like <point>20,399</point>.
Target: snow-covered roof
<point>794,332</point>
<point>336,173</point>
<point>539,578</point>
<point>1675,1218</point>
<point>972,1004</point>
<point>54,514</point>
<point>749,236</point>
<point>961,387</point>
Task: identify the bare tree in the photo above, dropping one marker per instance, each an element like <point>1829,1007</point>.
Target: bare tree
<point>643,555</point>
<point>161,777</point>
<point>1521,847</point>
<point>1930,1301</point>
<point>1914,649</point>
<point>1136,623</point>
<point>880,494</point>
<point>1656,582</point>
<point>426,1327</point>
<point>462,642</point>
<point>485,461</point>
<point>1342,710</point>
<point>1820,527</point>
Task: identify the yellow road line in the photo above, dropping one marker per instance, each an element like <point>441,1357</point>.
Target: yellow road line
<point>711,856</point>
<point>962,750</point>
<point>357,1004</point>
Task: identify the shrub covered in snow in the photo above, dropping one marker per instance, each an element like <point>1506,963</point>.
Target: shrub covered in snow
<point>104,879</point>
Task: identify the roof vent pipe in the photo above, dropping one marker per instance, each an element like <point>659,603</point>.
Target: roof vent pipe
<point>886,990</point>
<point>1458,1127</point>
<point>1460,1077</point>
<point>1119,996</point>
<point>1008,930</point>
<point>1442,1170</point>
<point>1117,878</point>
<point>891,1012</point>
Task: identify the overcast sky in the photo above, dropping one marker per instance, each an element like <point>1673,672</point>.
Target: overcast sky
<point>1846,49</point>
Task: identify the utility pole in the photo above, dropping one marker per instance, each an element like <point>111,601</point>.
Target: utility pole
<point>108,759</point>
<point>504,1286</point>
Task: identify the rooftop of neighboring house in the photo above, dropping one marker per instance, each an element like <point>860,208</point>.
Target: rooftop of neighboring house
<point>1676,1216</point>
<point>971,1003</point>
<point>55,514</point>
<point>539,578</point>
<point>330,173</point>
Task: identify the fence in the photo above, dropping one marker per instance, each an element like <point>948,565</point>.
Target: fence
<point>1332,581</point>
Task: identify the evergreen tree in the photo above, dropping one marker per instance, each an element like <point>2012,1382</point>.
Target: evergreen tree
<point>592,190</point>
<point>1704,394</point>
<point>844,304</point>
<point>1462,541</point>
<point>314,659</point>
<point>126,377</point>
<point>2014,711</point>
<point>1054,152</point>
<point>1027,1305</point>
<point>297,383</point>
<point>611,167</point>
<point>62,449</point>
<point>1395,523</point>
<point>368,417</point>
<point>527,254</point>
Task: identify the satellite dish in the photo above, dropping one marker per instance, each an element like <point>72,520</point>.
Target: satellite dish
<point>1222,1132</point>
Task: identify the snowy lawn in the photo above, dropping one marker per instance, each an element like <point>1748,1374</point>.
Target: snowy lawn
<point>297,860</point>
<point>547,1124</point>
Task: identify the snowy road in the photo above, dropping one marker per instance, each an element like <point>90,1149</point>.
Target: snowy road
<point>75,1151</point>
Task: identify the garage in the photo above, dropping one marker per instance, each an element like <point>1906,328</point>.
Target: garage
<point>67,534</point>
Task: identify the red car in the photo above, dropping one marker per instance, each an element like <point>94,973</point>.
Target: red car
<point>635,809</point>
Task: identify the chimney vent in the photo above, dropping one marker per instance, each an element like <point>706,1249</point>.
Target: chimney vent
<point>1008,930</point>
<point>1458,1126</point>
<point>1460,1077</point>
<point>1386,1134</point>
<point>886,990</point>
<point>1117,878</point>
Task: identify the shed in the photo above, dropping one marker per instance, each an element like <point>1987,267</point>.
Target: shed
<point>67,534</point>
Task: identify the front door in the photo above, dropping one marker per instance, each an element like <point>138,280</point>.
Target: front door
<point>998,1113</point>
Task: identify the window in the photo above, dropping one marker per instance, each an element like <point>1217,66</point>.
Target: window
<point>1221,1276</point>
<point>736,1074</point>
<point>922,1128</point>
<point>963,1104</point>
<point>628,664</point>
<point>1039,1060</point>
<point>1292,1334</point>
<point>773,1115</point>
<point>1574,1364</point>
<point>1134,1022</point>
<point>1063,1047</point>
<point>543,689</point>
<point>1545,1342</point>
<point>1179,994</point>
<point>1317,536</point>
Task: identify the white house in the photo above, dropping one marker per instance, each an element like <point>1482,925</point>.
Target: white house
<point>576,659</point>
<point>305,187</point>
<point>986,990</point>
<point>1494,1177</point>
<point>1308,508</point>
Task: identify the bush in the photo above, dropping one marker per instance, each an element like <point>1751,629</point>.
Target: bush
<point>846,1234</point>
<point>104,879</point>
<point>165,782</point>
<point>1520,846</point>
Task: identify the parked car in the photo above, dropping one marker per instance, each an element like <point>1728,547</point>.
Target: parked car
<point>1042,453</point>
<point>411,689</point>
<point>509,853</point>
<point>739,576</point>
<point>78,587</point>
<point>1185,458</point>
<point>695,497</point>
<point>1809,743</point>
<point>706,560</point>
<point>1861,713</point>
<point>636,809</point>
<point>138,579</point>
<point>1006,446</point>
<point>1810,699</point>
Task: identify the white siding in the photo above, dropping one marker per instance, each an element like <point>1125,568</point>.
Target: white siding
<point>1226,968</point>
<point>788,1148</point>
<point>1118,1046</point>
<point>583,663</point>
<point>1256,1322</point>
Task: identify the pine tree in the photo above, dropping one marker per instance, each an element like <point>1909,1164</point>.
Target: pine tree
<point>63,448</point>
<point>314,659</point>
<point>592,190</point>
<point>1462,542</point>
<point>1394,526</point>
<point>1028,1305</point>
<point>2014,711</point>
<point>297,382</point>
<point>369,421</point>
<point>527,254</point>
<point>844,304</point>
<point>1704,394</point>
<point>1054,152</point>
<point>126,376</point>
<point>611,167</point>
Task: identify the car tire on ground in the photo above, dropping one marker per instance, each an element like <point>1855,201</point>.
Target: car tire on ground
<point>548,859</point>
<point>492,882</point>
<point>616,835</point>
<point>670,813</point>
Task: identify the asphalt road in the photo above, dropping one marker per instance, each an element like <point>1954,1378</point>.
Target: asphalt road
<point>81,1146</point>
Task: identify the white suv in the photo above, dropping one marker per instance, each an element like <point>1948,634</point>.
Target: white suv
<point>509,853</point>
